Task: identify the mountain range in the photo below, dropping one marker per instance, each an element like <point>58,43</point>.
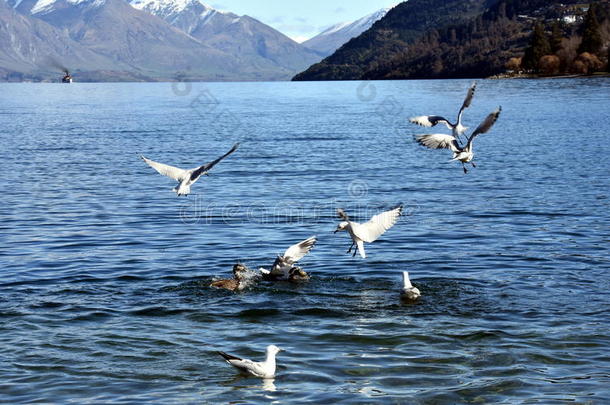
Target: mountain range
<point>437,39</point>
<point>150,40</point>
<point>332,38</point>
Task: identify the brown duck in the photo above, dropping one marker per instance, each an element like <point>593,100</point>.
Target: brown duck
<point>234,284</point>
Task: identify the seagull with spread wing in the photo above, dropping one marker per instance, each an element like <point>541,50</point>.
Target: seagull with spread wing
<point>457,128</point>
<point>464,153</point>
<point>283,268</point>
<point>186,178</point>
<point>369,231</point>
<point>264,369</point>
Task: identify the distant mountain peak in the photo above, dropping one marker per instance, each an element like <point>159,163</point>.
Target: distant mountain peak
<point>336,35</point>
<point>166,8</point>
<point>43,6</point>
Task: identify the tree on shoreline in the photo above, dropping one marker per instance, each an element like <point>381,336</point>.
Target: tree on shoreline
<point>591,37</point>
<point>539,46</point>
<point>556,39</point>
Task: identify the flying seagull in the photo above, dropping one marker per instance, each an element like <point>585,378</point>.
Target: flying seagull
<point>237,283</point>
<point>369,231</point>
<point>408,291</point>
<point>464,153</point>
<point>186,178</point>
<point>264,369</point>
<point>283,268</point>
<point>457,129</point>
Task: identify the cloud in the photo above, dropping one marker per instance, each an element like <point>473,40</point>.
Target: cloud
<point>339,10</point>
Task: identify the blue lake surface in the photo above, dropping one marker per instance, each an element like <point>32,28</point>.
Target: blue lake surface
<point>104,270</point>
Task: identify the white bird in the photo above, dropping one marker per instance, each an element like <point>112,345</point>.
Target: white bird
<point>283,268</point>
<point>186,178</point>
<point>264,369</point>
<point>464,154</point>
<point>369,231</point>
<point>457,128</point>
<point>408,291</point>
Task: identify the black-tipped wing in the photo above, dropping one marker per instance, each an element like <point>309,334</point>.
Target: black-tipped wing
<point>341,213</point>
<point>430,120</point>
<point>485,125</point>
<point>245,365</point>
<point>206,167</point>
<point>469,97</point>
<point>229,357</point>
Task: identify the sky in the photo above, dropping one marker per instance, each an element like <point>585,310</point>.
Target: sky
<point>302,19</point>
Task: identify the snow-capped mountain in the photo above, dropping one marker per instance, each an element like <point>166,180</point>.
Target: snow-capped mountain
<point>331,39</point>
<point>31,48</point>
<point>244,37</point>
<point>135,41</point>
<point>154,40</point>
<point>186,15</point>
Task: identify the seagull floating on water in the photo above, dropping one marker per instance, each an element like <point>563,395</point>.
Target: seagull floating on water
<point>186,178</point>
<point>264,369</point>
<point>369,231</point>
<point>408,291</point>
<point>237,283</point>
<point>283,268</point>
<point>457,128</point>
<point>464,153</point>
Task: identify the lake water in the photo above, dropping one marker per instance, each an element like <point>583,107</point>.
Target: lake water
<point>103,288</point>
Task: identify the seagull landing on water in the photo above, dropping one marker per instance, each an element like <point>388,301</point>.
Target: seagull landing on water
<point>264,369</point>
<point>457,128</point>
<point>464,153</point>
<point>369,231</point>
<point>186,178</point>
<point>283,268</point>
<point>408,291</point>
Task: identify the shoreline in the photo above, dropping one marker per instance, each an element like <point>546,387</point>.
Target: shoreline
<point>502,76</point>
<point>536,76</point>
